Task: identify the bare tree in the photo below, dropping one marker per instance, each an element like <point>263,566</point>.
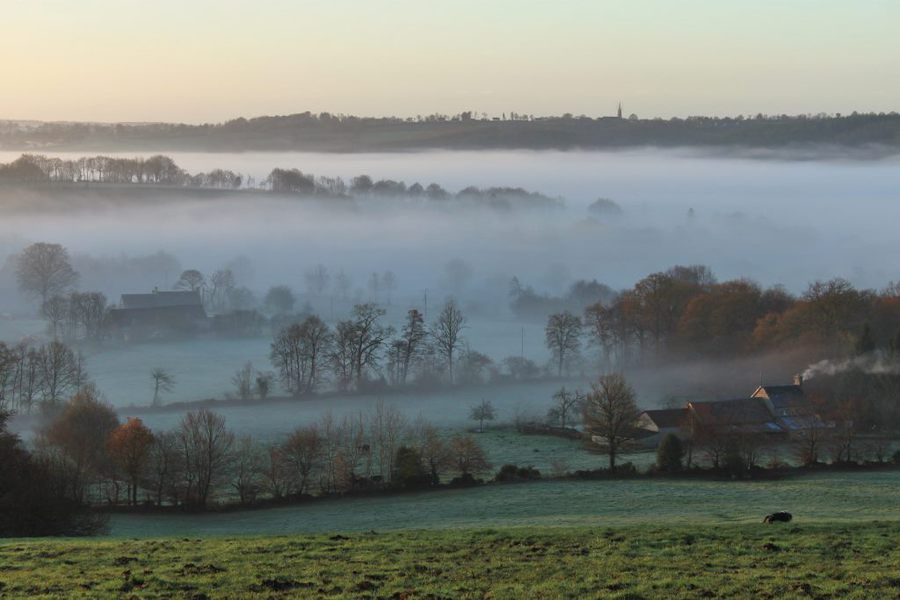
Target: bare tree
<point>298,353</point>
<point>275,472</point>
<point>395,362</point>
<point>206,446</point>
<point>61,373</point>
<point>341,355</point>
<point>433,449</point>
<point>610,412</point>
<point>191,280</point>
<point>386,427</point>
<point>164,467</point>
<point>367,336</point>
<point>243,382</point>
<point>481,412</point>
<point>89,311</point>
<point>43,270</point>
<point>301,454</point>
<point>56,311</point>
<point>467,455</point>
<point>446,333</point>
<point>163,381</point>
<point>565,405</point>
<point>563,338</point>
<point>809,442</point>
<point>315,339</point>
<point>412,339</point>
<point>222,285</point>
<point>248,467</point>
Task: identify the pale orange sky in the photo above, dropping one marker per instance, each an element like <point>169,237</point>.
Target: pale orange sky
<point>210,60</point>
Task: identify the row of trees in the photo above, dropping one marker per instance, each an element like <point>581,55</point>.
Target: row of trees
<point>686,312</point>
<point>467,130</point>
<point>219,292</point>
<point>162,170</point>
<point>157,169</point>
<point>304,354</point>
<point>201,461</point>
<point>38,376</point>
<point>294,181</point>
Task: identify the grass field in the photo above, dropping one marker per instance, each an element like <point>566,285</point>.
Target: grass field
<point>739,561</point>
<point>820,498</point>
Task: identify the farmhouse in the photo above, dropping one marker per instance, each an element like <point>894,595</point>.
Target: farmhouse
<point>770,410</point>
<point>158,315</point>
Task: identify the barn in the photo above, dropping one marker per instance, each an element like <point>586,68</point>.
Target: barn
<point>158,315</point>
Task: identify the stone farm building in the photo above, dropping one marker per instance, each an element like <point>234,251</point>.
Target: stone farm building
<point>158,315</point>
<point>780,410</point>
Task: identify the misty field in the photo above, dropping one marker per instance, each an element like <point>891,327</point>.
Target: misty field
<point>826,497</point>
<point>829,560</point>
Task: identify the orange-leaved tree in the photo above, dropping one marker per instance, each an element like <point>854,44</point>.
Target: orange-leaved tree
<point>129,447</point>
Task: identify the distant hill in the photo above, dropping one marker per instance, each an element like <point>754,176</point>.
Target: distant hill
<point>331,133</point>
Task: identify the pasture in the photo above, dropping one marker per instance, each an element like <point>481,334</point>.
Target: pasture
<point>825,560</point>
<point>820,498</point>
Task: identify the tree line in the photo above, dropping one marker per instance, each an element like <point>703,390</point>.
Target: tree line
<point>162,170</point>
<point>38,376</point>
<point>154,170</point>
<point>101,460</point>
<point>685,312</point>
<point>467,130</point>
<point>362,351</point>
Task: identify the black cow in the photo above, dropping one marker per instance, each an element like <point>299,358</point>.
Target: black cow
<point>778,517</point>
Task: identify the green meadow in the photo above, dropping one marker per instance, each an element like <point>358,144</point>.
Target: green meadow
<point>752,560</point>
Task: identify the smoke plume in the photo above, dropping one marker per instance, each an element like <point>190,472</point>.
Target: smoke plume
<point>870,364</point>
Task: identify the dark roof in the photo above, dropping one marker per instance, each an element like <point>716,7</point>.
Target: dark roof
<point>668,417</point>
<point>782,390</point>
<point>159,315</point>
<point>160,300</point>
<point>746,414</point>
<point>787,400</point>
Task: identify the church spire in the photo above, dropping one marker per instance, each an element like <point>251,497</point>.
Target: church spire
<point>619,112</point>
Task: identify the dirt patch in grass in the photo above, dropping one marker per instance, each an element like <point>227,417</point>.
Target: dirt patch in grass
<point>208,569</point>
<point>280,584</point>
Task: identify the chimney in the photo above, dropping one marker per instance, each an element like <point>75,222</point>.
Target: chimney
<point>798,380</point>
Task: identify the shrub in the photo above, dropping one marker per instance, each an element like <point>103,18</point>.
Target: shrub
<point>409,470</point>
<point>669,454</point>
<point>464,480</point>
<point>513,473</point>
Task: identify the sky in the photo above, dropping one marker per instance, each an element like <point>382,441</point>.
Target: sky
<point>211,60</point>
